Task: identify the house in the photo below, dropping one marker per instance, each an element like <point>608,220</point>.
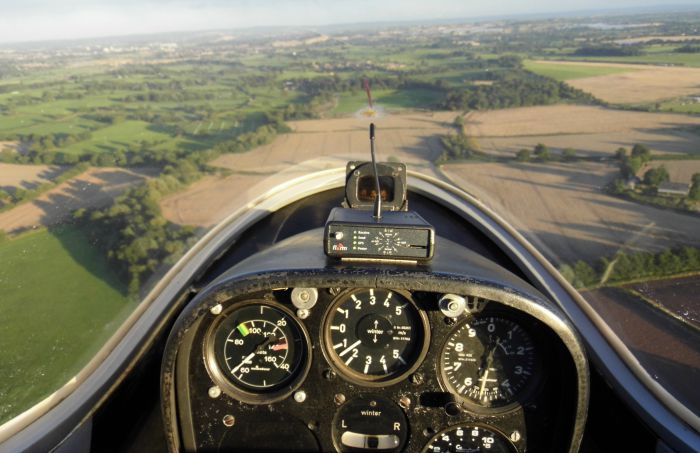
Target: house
<point>674,188</point>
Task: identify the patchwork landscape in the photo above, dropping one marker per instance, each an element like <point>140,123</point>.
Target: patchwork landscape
<point>115,157</point>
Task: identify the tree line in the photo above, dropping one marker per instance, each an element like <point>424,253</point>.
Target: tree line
<point>517,88</point>
<point>625,267</point>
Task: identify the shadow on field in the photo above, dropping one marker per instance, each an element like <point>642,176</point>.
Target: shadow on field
<point>75,240</point>
<point>561,248</point>
<point>428,148</point>
<point>56,209</point>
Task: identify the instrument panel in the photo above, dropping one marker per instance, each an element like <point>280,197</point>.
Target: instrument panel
<point>370,369</point>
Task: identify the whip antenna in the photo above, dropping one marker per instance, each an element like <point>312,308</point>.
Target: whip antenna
<point>378,200</point>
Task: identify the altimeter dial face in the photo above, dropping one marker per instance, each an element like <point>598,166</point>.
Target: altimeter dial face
<point>489,361</point>
<point>469,439</point>
<point>375,335</point>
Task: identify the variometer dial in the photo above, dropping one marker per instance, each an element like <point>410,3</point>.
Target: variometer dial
<point>258,348</point>
<point>488,361</point>
<point>375,335</point>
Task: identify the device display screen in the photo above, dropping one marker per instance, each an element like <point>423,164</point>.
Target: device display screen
<point>367,191</point>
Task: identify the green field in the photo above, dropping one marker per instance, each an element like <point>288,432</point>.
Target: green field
<point>388,99</point>
<point>48,333</point>
<point>121,135</point>
<point>680,107</point>
<point>663,57</point>
<point>562,72</point>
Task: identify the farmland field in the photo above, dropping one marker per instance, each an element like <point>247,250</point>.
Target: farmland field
<point>666,347</point>
<point>47,335</point>
<point>388,99</point>
<point>562,71</point>
<point>94,188</point>
<point>14,176</point>
<point>588,130</point>
<point>119,136</point>
<point>674,294</point>
<point>678,170</point>
<point>561,208</point>
<point>411,138</point>
<point>636,84</point>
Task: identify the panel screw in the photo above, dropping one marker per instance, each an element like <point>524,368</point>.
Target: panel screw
<point>329,374</point>
<point>300,396</point>
<point>214,392</point>
<point>229,420</point>
<point>303,313</point>
<point>334,291</point>
<point>405,402</point>
<point>339,399</point>
<point>304,297</point>
<point>216,309</point>
<point>515,436</point>
<point>416,379</point>
<point>372,403</point>
<point>452,305</point>
<point>313,426</point>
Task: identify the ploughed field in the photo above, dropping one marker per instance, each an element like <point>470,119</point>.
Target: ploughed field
<point>666,347</point>
<point>677,295</point>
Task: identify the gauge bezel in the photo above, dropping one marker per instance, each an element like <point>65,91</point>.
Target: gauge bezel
<point>353,376</point>
<point>520,397</point>
<point>513,448</point>
<point>231,388</point>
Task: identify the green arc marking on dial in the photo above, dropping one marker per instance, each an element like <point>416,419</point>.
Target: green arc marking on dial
<point>242,329</point>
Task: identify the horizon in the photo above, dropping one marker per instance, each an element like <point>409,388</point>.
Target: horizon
<point>250,19</point>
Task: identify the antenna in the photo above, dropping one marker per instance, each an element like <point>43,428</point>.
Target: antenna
<point>378,200</point>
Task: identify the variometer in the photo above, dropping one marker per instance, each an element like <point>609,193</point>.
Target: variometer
<point>375,336</point>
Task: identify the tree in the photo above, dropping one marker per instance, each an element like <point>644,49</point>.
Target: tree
<point>641,151</point>
<point>656,176</point>
<point>569,154</point>
<point>523,155</point>
<point>630,167</point>
<point>542,152</point>
<point>458,122</point>
<point>621,154</point>
<point>695,187</point>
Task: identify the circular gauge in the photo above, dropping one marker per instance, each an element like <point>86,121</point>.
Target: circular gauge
<point>469,439</point>
<point>258,351</point>
<point>375,336</point>
<point>488,361</point>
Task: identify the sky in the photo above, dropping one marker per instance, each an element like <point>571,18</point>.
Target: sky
<point>47,20</point>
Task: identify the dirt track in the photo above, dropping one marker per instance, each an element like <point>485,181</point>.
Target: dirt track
<point>96,187</point>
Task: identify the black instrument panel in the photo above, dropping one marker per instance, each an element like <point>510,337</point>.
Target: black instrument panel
<point>359,372</point>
